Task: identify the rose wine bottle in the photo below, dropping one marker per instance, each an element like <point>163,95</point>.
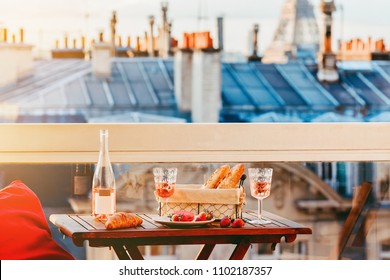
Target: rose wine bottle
<point>103,183</point>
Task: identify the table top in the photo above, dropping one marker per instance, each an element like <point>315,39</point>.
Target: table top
<point>85,227</point>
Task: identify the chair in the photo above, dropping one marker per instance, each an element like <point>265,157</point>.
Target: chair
<point>358,203</point>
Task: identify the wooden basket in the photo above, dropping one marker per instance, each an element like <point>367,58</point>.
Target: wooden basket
<point>192,198</point>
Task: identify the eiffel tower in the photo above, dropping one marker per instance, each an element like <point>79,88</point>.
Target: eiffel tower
<point>297,34</point>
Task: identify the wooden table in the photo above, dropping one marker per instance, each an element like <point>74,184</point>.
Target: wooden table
<point>125,241</point>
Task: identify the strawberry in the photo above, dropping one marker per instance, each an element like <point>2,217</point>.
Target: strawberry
<point>209,215</point>
<point>238,223</point>
<point>184,216</point>
<point>225,222</point>
<point>187,217</point>
<point>182,212</point>
<point>202,216</point>
<point>175,218</point>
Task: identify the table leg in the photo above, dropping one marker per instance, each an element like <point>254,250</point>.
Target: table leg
<point>240,250</point>
<point>121,252</point>
<point>205,252</point>
<point>134,252</point>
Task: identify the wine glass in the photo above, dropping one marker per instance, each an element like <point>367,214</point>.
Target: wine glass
<point>260,185</point>
<point>165,182</point>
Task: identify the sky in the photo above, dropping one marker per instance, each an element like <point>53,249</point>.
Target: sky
<point>47,20</point>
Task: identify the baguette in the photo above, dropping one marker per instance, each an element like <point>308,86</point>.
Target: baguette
<point>122,220</point>
<point>233,177</point>
<point>215,178</point>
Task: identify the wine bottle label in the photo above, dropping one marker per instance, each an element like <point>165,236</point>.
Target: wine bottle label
<point>104,192</point>
<point>104,204</point>
<point>81,185</point>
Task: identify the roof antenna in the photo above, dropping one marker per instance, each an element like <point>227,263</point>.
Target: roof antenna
<point>201,12</point>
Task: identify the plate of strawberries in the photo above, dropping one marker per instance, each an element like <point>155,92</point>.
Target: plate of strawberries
<point>186,219</point>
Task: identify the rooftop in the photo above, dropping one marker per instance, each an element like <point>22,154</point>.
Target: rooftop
<point>145,85</point>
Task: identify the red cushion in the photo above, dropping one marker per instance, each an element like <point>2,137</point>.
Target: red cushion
<point>24,231</point>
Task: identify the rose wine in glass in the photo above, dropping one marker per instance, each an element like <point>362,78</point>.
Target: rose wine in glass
<point>165,182</point>
<point>260,185</point>
<point>165,190</point>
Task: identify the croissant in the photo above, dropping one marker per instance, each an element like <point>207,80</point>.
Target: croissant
<point>123,220</point>
<point>233,177</point>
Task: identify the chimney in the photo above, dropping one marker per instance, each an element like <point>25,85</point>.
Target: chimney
<point>138,45</point>
<point>198,78</point>
<point>66,41</point>
<point>255,39</point>
<point>16,61</point>
<point>164,12</point>
<point>183,79</point>
<point>69,51</point>
<point>8,67</point>
<point>4,35</point>
<point>220,32</point>
<point>150,46</point>
<point>101,58</point>
<point>327,69</point>
<point>170,40</point>
<point>113,23</point>
<point>254,43</point>
<point>21,31</point>
<point>164,32</point>
<point>83,42</point>
<point>206,86</point>
<point>128,42</point>
<point>146,42</point>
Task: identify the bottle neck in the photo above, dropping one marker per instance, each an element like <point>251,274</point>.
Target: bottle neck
<point>104,145</point>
